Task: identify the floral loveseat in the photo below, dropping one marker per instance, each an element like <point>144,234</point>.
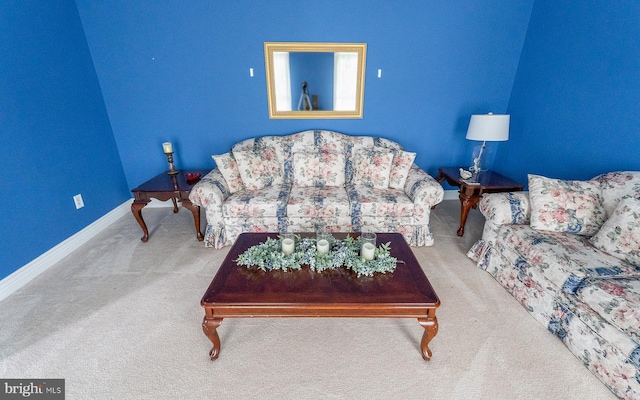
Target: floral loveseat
<point>316,179</point>
<point>569,252</point>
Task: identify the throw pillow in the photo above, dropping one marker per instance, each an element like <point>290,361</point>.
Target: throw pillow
<point>318,169</point>
<point>372,167</point>
<point>259,169</point>
<point>565,206</point>
<point>620,234</point>
<point>400,166</point>
<point>229,169</point>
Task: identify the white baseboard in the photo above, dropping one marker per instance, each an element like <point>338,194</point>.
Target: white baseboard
<point>26,273</point>
<point>450,195</point>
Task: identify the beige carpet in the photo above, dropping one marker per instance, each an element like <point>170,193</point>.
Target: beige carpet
<point>120,319</point>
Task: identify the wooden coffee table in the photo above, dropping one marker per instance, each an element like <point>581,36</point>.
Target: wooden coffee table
<point>238,291</point>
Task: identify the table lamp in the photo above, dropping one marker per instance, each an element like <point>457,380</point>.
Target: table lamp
<point>487,128</point>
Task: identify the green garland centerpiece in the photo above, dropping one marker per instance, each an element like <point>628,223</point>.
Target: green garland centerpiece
<point>268,256</point>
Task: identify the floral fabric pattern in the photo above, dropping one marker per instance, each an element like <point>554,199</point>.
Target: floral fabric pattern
<point>318,169</point>
<point>506,208</point>
<point>259,169</point>
<point>319,202</point>
<point>228,166</point>
<point>616,186</point>
<point>400,167</point>
<point>372,168</point>
<point>585,294</point>
<point>620,234</point>
<point>565,206</point>
<point>269,201</point>
<point>617,301</point>
<point>369,201</point>
<point>279,195</point>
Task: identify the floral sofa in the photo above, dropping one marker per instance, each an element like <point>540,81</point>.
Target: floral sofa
<point>569,252</point>
<point>314,180</point>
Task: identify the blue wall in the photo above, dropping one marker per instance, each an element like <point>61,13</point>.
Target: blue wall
<point>56,137</point>
<point>179,71</point>
<point>566,71</point>
<point>575,106</point>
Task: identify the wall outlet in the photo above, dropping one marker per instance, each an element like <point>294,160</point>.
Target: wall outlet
<point>78,200</point>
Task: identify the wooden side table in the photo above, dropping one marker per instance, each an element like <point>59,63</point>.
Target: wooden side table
<point>471,192</point>
<point>164,187</point>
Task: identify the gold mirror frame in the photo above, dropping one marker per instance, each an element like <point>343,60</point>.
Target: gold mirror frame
<point>271,47</point>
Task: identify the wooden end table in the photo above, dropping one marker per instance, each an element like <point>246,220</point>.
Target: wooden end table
<point>238,291</point>
<point>164,187</point>
<point>471,191</point>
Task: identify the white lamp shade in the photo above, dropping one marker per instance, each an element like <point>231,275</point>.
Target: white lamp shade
<point>489,127</point>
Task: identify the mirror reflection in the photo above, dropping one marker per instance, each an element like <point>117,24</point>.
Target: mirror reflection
<point>315,80</point>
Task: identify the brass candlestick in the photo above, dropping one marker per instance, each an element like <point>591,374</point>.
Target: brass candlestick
<point>172,168</point>
<point>167,148</point>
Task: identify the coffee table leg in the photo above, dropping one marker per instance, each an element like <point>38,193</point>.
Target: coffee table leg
<point>209,326</point>
<point>430,325</point>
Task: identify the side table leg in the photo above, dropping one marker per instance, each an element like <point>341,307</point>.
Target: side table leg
<point>467,202</point>
<point>136,209</point>
<point>195,210</point>
<point>175,205</point>
<point>209,326</point>
<point>430,325</point>
<point>465,206</point>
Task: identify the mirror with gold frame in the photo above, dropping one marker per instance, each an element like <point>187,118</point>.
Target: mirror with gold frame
<point>315,80</point>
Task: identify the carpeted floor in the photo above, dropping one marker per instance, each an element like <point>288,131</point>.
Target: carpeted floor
<point>121,319</point>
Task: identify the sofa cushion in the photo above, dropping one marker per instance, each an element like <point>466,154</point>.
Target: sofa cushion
<point>566,260</point>
<point>620,234</point>
<point>229,168</point>
<point>617,301</point>
<point>372,167</point>
<point>616,186</point>
<point>259,169</point>
<point>270,201</point>
<point>369,201</point>
<point>400,166</point>
<point>318,169</point>
<point>565,206</point>
<point>328,201</point>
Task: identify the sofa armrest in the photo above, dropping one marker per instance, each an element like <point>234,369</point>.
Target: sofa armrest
<point>210,191</point>
<point>422,188</point>
<point>511,208</point>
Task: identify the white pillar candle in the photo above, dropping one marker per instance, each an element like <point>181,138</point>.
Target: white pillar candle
<point>167,147</point>
<point>368,251</point>
<point>288,245</point>
<point>323,246</point>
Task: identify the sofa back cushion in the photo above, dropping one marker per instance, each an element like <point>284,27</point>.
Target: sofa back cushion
<point>620,235</point>
<point>313,141</point>
<point>318,169</point>
<point>400,166</point>
<point>228,166</point>
<point>372,167</point>
<point>565,206</point>
<point>259,169</point>
<point>616,186</point>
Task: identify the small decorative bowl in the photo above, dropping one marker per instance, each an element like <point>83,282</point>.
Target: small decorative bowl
<point>464,174</point>
<point>192,177</point>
